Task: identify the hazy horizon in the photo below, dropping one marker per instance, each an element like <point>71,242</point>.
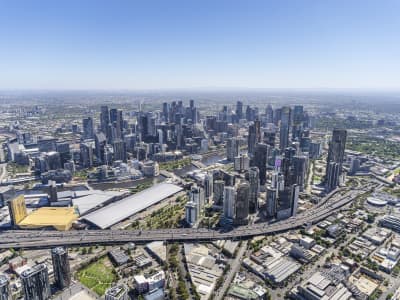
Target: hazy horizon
<point>170,45</point>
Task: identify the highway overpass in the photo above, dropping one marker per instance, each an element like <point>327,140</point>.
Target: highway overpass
<point>46,239</point>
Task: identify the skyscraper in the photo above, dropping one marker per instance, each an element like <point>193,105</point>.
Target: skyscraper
<point>61,269</point>
<point>196,195</point>
<point>239,110</point>
<point>253,176</point>
<point>269,114</point>
<point>117,122</point>
<point>119,150</point>
<point>53,191</point>
<point>286,116</point>
<point>166,112</point>
<point>208,187</point>
<point>35,283</point>
<point>335,158</point>
<point>86,154</point>
<point>332,176</point>
<point>5,293</point>
<point>288,202</point>
<point>100,145</point>
<point>260,161</point>
<point>298,116</point>
<point>191,215</point>
<point>241,163</point>
<point>218,188</point>
<point>104,119</point>
<point>229,203</point>
<point>242,203</point>
<point>271,202</point>
<point>88,129</point>
<point>300,164</point>
<point>254,137</point>
<point>232,148</point>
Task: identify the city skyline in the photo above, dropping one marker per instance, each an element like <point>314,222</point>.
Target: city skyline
<point>207,45</point>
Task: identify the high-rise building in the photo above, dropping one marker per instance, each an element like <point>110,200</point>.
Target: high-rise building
<point>242,203</point>
<point>17,209</point>
<point>229,203</point>
<point>119,150</point>
<point>298,113</point>
<point>269,114</point>
<point>241,163</point>
<point>354,165</point>
<point>239,110</point>
<point>5,293</point>
<point>53,191</point>
<point>335,159</point>
<point>196,195</point>
<point>100,141</point>
<point>104,119</point>
<point>232,148</point>
<point>332,177</point>
<point>86,154</point>
<point>300,165</point>
<point>191,215</point>
<point>208,187</point>
<point>117,122</point>
<point>269,137</point>
<point>254,137</point>
<point>88,129</point>
<point>286,117</point>
<point>260,161</point>
<point>271,202</point>
<point>35,283</point>
<point>61,268</point>
<point>63,148</point>
<point>288,202</point>
<point>253,176</point>
<point>117,292</point>
<point>218,188</point>
<point>165,112</point>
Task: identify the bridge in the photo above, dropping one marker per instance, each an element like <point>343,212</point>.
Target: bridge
<point>35,239</point>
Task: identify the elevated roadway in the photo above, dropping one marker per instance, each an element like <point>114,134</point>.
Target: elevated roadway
<point>27,239</point>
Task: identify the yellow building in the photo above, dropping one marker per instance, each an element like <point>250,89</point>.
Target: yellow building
<point>17,208</point>
<point>60,218</point>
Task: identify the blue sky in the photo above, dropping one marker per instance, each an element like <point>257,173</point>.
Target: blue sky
<point>188,44</point>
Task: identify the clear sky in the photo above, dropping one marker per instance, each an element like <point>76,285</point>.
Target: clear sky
<point>116,44</point>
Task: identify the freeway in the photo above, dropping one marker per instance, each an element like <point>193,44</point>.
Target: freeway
<point>28,239</point>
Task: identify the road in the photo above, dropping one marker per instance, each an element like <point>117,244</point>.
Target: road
<point>232,272</point>
<point>31,239</point>
<point>3,171</point>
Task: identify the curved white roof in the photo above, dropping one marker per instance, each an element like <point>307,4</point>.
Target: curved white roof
<point>376,201</point>
<point>118,211</point>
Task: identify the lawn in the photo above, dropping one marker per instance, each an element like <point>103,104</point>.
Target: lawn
<point>98,276</point>
<point>166,217</point>
<point>382,148</point>
<point>176,164</point>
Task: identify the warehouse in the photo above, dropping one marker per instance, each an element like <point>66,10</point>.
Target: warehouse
<point>60,218</point>
<point>92,199</point>
<point>123,209</point>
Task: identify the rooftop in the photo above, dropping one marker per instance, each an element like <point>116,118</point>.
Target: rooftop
<point>61,218</point>
<point>121,210</point>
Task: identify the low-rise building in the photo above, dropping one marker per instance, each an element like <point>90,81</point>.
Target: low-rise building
<point>326,285</point>
<point>142,261</point>
<point>118,257</point>
<point>307,242</point>
<point>376,235</point>
<point>118,292</point>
